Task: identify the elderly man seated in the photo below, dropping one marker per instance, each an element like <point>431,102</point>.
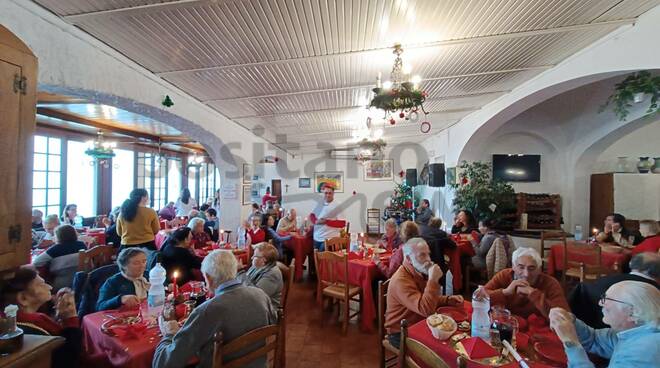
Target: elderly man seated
<point>235,310</point>
<point>414,290</point>
<point>584,298</point>
<point>632,309</point>
<point>264,272</point>
<point>288,223</point>
<point>525,289</point>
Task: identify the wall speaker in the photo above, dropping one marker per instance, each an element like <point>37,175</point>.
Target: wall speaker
<point>437,175</point>
<point>411,177</point>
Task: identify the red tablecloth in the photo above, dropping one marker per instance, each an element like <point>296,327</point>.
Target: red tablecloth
<point>463,248</point>
<point>421,332</point>
<point>302,247</point>
<point>240,254</point>
<point>102,350</point>
<point>556,259</point>
<point>99,236</point>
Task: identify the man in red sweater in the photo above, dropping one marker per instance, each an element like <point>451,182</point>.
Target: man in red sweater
<point>414,290</point>
<point>651,243</point>
<point>525,289</point>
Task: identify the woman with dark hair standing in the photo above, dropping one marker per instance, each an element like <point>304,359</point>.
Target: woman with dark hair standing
<point>185,203</point>
<point>464,223</point>
<point>176,255</point>
<point>137,224</point>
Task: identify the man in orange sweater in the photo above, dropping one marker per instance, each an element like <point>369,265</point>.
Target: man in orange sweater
<point>414,290</point>
<point>525,289</point>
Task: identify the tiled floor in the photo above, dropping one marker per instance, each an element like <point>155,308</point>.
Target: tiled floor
<point>309,345</point>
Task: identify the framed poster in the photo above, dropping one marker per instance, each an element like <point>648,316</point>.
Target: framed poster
<point>247,174</point>
<point>332,178</point>
<point>379,170</point>
<point>229,191</point>
<point>247,194</point>
<point>451,176</point>
<point>304,183</point>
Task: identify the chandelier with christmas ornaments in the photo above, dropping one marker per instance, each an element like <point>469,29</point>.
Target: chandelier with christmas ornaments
<point>400,96</point>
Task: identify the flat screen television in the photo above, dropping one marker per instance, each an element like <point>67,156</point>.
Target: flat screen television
<point>515,167</point>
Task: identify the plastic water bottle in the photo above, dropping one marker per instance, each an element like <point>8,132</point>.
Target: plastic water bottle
<point>77,222</point>
<point>449,283</point>
<point>354,242</point>
<point>480,318</point>
<point>240,242</point>
<point>156,296</point>
<point>578,232</point>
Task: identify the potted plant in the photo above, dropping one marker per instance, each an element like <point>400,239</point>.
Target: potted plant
<point>634,89</point>
<point>485,197</point>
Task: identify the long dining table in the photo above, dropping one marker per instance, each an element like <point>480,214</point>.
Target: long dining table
<point>302,246</point>
<point>610,259</point>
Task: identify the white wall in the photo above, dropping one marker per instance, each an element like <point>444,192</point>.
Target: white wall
<point>644,142</point>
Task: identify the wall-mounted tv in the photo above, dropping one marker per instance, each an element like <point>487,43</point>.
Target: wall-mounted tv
<point>516,167</point>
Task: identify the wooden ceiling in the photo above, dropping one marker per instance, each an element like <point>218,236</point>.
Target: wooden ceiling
<point>79,115</point>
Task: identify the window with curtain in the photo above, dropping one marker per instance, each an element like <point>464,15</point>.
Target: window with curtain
<point>123,170</point>
<point>193,181</point>
<point>80,179</point>
<point>159,193</point>
<point>47,175</point>
<point>144,171</point>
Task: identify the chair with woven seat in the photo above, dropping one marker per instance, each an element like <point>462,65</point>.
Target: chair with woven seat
<point>332,276</point>
<point>385,345</point>
<point>336,244</point>
<point>553,236</point>
<point>100,255</point>
<point>267,335</point>
<point>583,261</point>
<point>423,354</point>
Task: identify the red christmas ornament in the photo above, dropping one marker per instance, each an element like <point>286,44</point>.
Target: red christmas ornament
<point>402,115</point>
<point>354,192</point>
<point>409,204</point>
<point>464,181</point>
<point>401,173</point>
<point>392,121</point>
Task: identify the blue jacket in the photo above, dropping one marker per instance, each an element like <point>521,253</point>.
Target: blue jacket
<point>112,290</point>
<point>633,348</point>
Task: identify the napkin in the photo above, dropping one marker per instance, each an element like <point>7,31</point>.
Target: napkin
<point>477,348</point>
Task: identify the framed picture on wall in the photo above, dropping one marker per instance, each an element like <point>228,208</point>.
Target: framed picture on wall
<point>451,175</point>
<point>379,170</point>
<point>304,183</point>
<point>247,174</point>
<point>332,178</point>
<point>247,194</point>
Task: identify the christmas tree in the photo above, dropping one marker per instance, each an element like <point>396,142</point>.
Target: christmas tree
<point>401,203</point>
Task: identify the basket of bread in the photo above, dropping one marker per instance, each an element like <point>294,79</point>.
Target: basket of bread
<point>442,326</point>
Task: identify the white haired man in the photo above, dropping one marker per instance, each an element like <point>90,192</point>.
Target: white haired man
<point>525,289</point>
<point>227,311</point>
<point>632,309</point>
<point>414,290</point>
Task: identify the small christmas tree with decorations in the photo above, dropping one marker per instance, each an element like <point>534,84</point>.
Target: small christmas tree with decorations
<point>401,203</point>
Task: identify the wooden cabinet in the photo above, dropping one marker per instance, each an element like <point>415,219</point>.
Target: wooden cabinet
<point>18,78</point>
<point>635,196</point>
<point>543,210</point>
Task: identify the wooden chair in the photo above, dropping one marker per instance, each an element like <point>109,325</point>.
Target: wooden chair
<point>268,335</point>
<point>96,257</point>
<point>421,352</point>
<point>287,277</point>
<point>332,276</point>
<point>552,236</point>
<point>589,267</point>
<point>336,244</point>
<point>385,345</point>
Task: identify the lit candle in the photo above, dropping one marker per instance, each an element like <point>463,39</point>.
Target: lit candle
<point>175,287</point>
<point>595,231</point>
<point>222,235</point>
<point>378,84</point>
<point>362,236</point>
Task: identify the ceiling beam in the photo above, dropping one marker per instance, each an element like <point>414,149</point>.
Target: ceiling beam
<point>432,44</point>
<point>79,17</point>
<point>343,108</point>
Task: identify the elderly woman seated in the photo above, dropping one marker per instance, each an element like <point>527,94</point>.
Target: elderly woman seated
<point>525,289</point>
<point>176,255</point>
<point>47,237</point>
<point>264,272</point>
<point>62,258</point>
<point>391,239</point>
<point>482,246</point>
<point>632,309</point>
<point>200,237</point>
<point>130,286</point>
<point>409,230</point>
<point>272,235</point>
<point>30,293</point>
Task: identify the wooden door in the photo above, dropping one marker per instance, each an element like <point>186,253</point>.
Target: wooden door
<point>601,201</point>
<point>276,189</point>
<point>17,119</point>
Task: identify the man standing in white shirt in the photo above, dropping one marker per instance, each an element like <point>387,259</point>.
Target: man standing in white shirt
<point>329,211</point>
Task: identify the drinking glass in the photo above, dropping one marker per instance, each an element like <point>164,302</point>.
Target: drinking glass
<point>504,326</point>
